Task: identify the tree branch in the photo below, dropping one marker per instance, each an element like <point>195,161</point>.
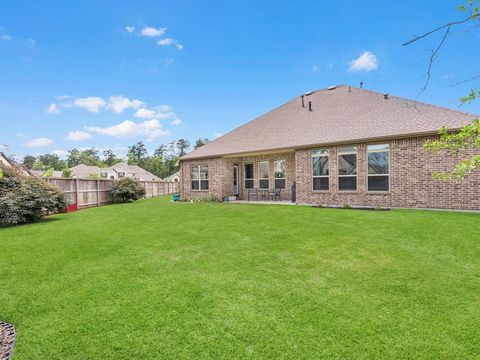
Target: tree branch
<point>464,81</point>
<point>450,24</point>
<point>447,28</point>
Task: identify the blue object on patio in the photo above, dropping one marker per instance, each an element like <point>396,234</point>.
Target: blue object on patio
<point>176,197</point>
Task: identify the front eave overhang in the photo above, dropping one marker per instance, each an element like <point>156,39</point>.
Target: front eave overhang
<point>309,146</point>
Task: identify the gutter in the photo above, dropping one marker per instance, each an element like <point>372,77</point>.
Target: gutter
<point>301,147</point>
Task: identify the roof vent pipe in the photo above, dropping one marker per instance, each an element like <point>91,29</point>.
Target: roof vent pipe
<point>385,96</point>
<point>303,103</point>
<point>361,84</point>
<point>349,88</point>
<point>309,106</point>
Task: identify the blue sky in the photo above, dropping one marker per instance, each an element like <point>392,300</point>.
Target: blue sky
<point>110,73</point>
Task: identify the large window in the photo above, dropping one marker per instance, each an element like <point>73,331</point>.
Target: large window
<point>199,177</point>
<point>279,174</point>
<point>378,167</point>
<point>264,174</point>
<point>320,170</point>
<point>121,174</point>
<point>347,168</point>
<point>248,175</point>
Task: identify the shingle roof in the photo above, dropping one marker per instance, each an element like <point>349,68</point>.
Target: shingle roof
<point>338,116</point>
<point>83,171</point>
<point>134,170</point>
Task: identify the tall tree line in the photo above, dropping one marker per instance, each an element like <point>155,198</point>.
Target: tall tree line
<point>162,163</point>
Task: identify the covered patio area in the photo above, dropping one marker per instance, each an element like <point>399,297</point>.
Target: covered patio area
<point>262,178</point>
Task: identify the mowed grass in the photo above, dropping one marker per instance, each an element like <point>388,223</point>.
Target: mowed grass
<point>154,280</point>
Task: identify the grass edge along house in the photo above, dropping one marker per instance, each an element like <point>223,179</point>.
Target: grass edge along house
<point>336,146</point>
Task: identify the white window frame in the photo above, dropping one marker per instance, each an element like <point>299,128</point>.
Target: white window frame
<point>121,174</point>
<point>101,174</point>
<point>259,174</point>
<point>325,153</point>
<point>245,174</point>
<point>356,167</point>
<point>387,174</point>
<point>284,173</point>
<point>199,178</point>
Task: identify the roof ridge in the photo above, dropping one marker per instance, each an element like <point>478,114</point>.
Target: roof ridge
<point>414,101</point>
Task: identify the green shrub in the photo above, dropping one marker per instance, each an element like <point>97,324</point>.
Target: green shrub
<point>27,199</point>
<point>127,189</point>
<point>67,173</point>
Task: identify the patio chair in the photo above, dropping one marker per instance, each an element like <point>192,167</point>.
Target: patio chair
<point>252,193</point>
<point>275,194</point>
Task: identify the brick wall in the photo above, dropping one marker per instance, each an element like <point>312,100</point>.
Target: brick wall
<point>217,174</point>
<point>411,183</point>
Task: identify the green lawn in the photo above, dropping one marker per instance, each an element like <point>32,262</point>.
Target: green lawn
<point>153,280</point>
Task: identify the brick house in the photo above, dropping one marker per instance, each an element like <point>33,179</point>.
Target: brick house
<point>338,146</point>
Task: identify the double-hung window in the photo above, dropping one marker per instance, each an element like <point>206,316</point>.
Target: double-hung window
<point>378,167</point>
<point>264,174</point>
<point>320,170</point>
<point>249,175</point>
<point>121,174</point>
<point>199,177</point>
<point>347,168</point>
<point>279,174</point>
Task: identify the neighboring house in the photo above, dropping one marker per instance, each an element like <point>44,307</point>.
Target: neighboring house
<point>338,146</point>
<point>116,171</point>
<point>122,169</point>
<point>82,171</point>
<point>6,162</point>
<point>175,177</point>
<point>40,173</point>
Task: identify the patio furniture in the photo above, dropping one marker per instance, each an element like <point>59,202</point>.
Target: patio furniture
<point>275,194</point>
<point>252,193</point>
<point>263,194</point>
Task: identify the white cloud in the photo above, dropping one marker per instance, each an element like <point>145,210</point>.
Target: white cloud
<point>53,108</point>
<point>366,62</point>
<point>6,37</point>
<point>62,97</point>
<point>152,32</point>
<point>176,121</point>
<point>30,42</point>
<point>151,129</point>
<point>5,147</point>
<point>145,113</point>
<point>21,135</point>
<point>119,103</point>
<point>160,112</point>
<point>60,153</point>
<point>130,29</point>
<point>167,41</point>
<point>217,134</point>
<point>314,68</point>
<point>78,136</point>
<point>170,41</point>
<point>38,142</point>
<point>91,103</point>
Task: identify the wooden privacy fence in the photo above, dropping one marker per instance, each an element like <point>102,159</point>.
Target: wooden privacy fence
<point>86,193</point>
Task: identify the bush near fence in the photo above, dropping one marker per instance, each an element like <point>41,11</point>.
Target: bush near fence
<point>87,193</point>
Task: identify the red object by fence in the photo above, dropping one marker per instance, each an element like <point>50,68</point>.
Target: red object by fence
<point>72,207</point>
